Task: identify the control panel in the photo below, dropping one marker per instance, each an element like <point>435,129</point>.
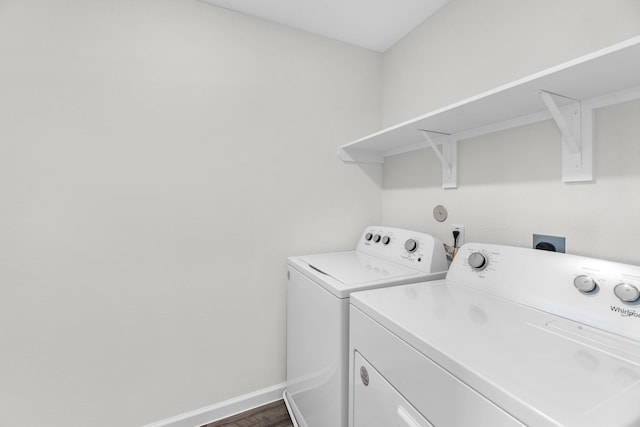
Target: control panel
<point>599,293</point>
<point>412,249</point>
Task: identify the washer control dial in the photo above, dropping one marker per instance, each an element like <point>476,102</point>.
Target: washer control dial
<point>411,245</point>
<point>368,236</point>
<point>478,261</point>
<point>386,240</point>
<point>376,238</point>
<point>626,292</point>
<point>585,284</point>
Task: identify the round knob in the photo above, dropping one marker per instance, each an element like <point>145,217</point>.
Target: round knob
<point>626,292</point>
<point>376,238</point>
<point>411,245</point>
<point>386,240</point>
<point>584,284</point>
<point>477,261</point>
<point>368,236</point>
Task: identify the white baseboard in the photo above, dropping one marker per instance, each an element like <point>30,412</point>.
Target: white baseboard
<point>224,409</point>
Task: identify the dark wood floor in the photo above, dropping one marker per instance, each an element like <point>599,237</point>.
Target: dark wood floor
<point>272,415</point>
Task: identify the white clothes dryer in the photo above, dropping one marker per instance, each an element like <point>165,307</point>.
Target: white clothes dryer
<point>318,293</point>
<point>512,337</point>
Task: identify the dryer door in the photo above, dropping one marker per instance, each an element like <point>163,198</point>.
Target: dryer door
<point>377,403</point>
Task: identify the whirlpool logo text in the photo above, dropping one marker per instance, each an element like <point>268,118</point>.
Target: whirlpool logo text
<point>625,312</point>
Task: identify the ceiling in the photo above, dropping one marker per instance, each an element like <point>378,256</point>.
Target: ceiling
<point>373,24</point>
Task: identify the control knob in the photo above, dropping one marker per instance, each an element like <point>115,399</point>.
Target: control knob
<point>477,261</point>
<point>626,292</point>
<point>368,236</point>
<point>411,245</point>
<point>376,238</point>
<point>584,284</point>
<point>386,240</point>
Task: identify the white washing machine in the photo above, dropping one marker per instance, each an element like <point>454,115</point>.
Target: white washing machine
<point>318,313</point>
<point>511,337</point>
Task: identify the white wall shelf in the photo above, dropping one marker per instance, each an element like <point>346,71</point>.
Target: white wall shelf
<point>567,93</point>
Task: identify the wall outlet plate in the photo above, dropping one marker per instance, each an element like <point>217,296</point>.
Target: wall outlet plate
<point>557,241</point>
<point>459,228</point>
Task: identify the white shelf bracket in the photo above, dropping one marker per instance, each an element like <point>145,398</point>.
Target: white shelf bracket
<point>448,156</point>
<point>575,127</point>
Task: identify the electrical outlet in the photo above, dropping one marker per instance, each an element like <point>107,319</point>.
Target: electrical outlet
<point>460,229</point>
<point>541,241</point>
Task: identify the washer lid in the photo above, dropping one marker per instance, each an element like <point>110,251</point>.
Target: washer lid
<point>354,268</point>
<point>542,369</point>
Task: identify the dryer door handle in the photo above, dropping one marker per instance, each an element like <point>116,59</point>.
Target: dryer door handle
<point>406,419</point>
<point>317,269</point>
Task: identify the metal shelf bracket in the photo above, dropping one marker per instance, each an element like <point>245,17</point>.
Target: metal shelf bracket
<point>448,156</point>
<point>575,124</point>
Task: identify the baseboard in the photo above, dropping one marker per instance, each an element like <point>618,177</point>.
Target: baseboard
<point>224,409</point>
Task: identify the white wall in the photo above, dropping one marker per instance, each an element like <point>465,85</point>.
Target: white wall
<point>510,182</point>
<point>159,159</point>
